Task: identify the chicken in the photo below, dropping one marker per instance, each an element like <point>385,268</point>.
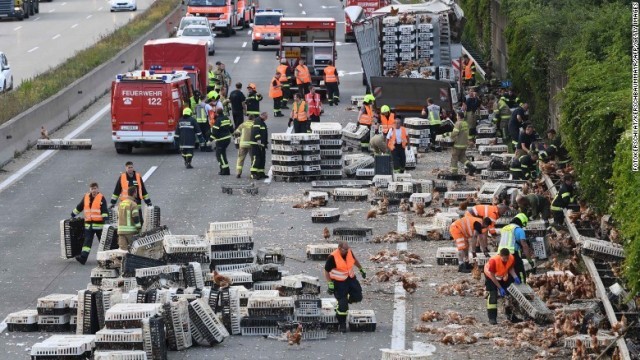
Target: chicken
<point>431,315</point>
<point>326,234</point>
<point>383,206</point>
<point>453,317</point>
<point>383,275</point>
<point>408,284</point>
<point>220,280</point>
<point>620,327</point>
<point>296,337</point>
<point>419,209</point>
<point>412,230</point>
<point>580,351</point>
<point>372,214</point>
<point>475,272</point>
<point>463,205</point>
<point>595,347</point>
<point>310,204</point>
<point>435,197</point>
<point>404,205</point>
<point>394,11</point>
<point>44,134</point>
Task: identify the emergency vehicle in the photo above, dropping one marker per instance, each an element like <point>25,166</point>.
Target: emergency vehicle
<point>246,12</point>
<point>145,107</point>
<point>222,14</point>
<point>368,7</point>
<point>266,28</point>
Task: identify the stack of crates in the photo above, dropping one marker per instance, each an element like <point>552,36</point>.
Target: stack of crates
<point>264,311</point>
<point>182,249</point>
<point>73,310</point>
<point>119,339</point>
<point>353,234</point>
<point>418,132</point>
<point>330,149</point>
<point>320,252</point>
<point>229,238</point>
<point>389,43</point>
<point>407,42</point>
<point>71,237</point>
<point>176,315</point>
<point>151,216</point>
<point>130,316</point>
<point>308,315</point>
<point>64,347</point>
<point>300,149</point>
<point>150,244</point>
<point>207,328</point>
<point>54,313</point>
<point>25,321</point>
<point>361,320</point>
<point>425,40</point>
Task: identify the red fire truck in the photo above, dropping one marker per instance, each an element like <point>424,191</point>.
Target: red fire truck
<point>369,6</point>
<point>145,107</point>
<point>167,55</point>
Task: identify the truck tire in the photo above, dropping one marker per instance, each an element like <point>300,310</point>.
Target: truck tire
<point>227,31</point>
<point>19,17</point>
<point>11,87</point>
<point>37,6</point>
<point>123,148</point>
<point>254,46</point>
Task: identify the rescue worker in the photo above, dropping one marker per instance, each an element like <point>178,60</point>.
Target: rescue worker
<point>194,100</point>
<point>94,207</point>
<point>129,220</point>
<point>553,145</point>
<point>331,81</point>
<point>565,196</point>
<point>187,132</point>
<point>387,119</point>
<point>285,81</point>
<point>398,141</point>
<point>499,273</point>
<point>526,140</point>
<point>468,71</point>
<point>314,105</point>
<point>460,137</point>
<point>130,178</point>
<point>472,105</point>
<point>303,78</point>
<point>202,118</point>
<point>298,115</point>
<point>513,238</point>
<point>502,116</point>
<point>378,144</point>
<point>365,118</point>
<point>535,206</point>
<point>211,78</point>
<point>221,134</point>
<point>259,142</point>
<point>524,167</point>
<point>252,102</point>
<point>275,92</point>
<point>238,106</point>
<point>342,282</point>
<point>432,112</point>
<point>222,77</point>
<point>243,132</point>
<point>516,122</point>
<point>465,229</point>
<point>493,212</point>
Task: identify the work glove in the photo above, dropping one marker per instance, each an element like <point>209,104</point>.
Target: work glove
<point>73,215</point>
<point>363,273</point>
<point>502,292</point>
<point>330,288</point>
<point>517,280</point>
<point>148,203</point>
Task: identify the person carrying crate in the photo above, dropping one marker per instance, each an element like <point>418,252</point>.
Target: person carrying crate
<point>129,216</point>
<point>96,214</point>
<point>499,273</point>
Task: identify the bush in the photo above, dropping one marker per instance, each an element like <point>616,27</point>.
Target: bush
<point>35,90</point>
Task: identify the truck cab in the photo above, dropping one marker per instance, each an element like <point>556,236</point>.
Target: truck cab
<point>19,9</point>
<point>222,14</point>
<point>368,7</point>
<point>145,108</point>
<point>246,12</point>
<point>266,28</point>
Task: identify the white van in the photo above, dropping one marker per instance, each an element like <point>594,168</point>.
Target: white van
<point>190,20</point>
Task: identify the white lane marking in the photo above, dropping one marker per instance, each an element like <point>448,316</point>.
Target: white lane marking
<point>300,4</point>
<point>303,12</point>
<point>398,331</point>
<point>55,37</point>
<point>74,26</point>
<point>36,19</point>
<point>329,7</point>
<point>249,32</point>
<point>17,28</point>
<point>244,44</point>
<point>52,10</point>
<point>236,60</point>
<point>3,325</point>
<point>89,16</point>
<point>32,50</point>
<point>47,153</point>
<point>149,172</point>
<point>100,8</point>
<point>268,180</point>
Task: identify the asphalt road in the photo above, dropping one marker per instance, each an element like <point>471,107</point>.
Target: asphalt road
<point>30,209</point>
<point>62,28</point>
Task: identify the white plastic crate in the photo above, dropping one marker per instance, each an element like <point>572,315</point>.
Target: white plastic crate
<point>295,281</point>
<point>53,319</point>
<point>486,129</point>
<point>382,181</point>
<point>108,232</point>
<point>495,175</point>
<point>350,194</point>
<point>268,302</point>
<point>400,187</point>
<point>110,259</point>
<point>330,153</point>
<point>420,198</point>
<point>125,284</point>
<point>267,285</point>
<point>311,168</point>
<point>536,225</point>
<point>425,27</point>
<point>98,272</point>
<point>416,122</point>
<point>362,320</point>
<point>528,301</point>
<point>329,128</point>
<point>23,317</point>
<point>229,227</point>
<point>286,158</point>
<point>157,270</point>
<point>604,340</point>
<point>214,239</point>
<point>424,229</point>
<point>194,269</point>
<point>120,355</point>
<point>185,244</point>
<point>63,346</point>
<point>315,195</point>
<point>126,312</point>
<point>207,322</point>
<point>224,255</point>
<point>488,141</point>
<point>488,149</point>
<point>119,336</point>
<point>359,132</point>
<point>389,354</point>
<point>231,267</point>
<point>55,301</point>
<point>481,165</point>
<point>264,293</point>
<point>459,195</point>
<point>325,212</point>
<point>320,249</point>
<point>402,177</point>
<point>488,191</point>
<point>601,249</point>
<point>238,277</point>
<point>180,323</point>
<point>365,173</point>
<point>287,169</point>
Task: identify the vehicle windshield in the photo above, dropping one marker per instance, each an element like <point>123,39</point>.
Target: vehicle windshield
<point>207,2</point>
<point>196,32</point>
<point>186,23</point>
<point>267,20</point>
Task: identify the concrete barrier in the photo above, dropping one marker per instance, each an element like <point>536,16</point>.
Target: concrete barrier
<point>21,132</point>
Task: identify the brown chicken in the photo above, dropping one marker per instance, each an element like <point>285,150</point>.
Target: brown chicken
<point>326,234</point>
<point>580,351</point>
<point>419,209</point>
<point>44,134</point>
<point>404,205</point>
<point>394,11</point>
<point>431,315</point>
<point>310,204</point>
<point>463,205</point>
<point>383,206</point>
<point>475,272</point>
<point>412,230</point>
<point>408,284</point>
<point>435,196</point>
<point>372,214</point>
<point>296,337</point>
<point>220,280</point>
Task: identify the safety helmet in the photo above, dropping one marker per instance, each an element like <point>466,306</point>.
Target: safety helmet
<point>251,86</point>
<point>524,220</point>
<point>212,95</point>
<point>186,112</point>
<point>369,98</point>
<point>385,109</point>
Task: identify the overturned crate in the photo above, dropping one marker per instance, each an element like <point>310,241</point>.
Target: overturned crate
<point>361,320</point>
<point>150,243</point>
<point>71,237</point>
<point>325,215</point>
<point>349,194</point>
<point>525,299</point>
<point>320,252</point>
<point>63,144</point>
<point>176,314</point>
<point>602,250</point>
<point>354,234</point>
<point>109,238</point>
<point>151,216</point>
<point>207,322</point>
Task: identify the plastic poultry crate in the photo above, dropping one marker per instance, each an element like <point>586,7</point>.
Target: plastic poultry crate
<point>350,194</point>
<point>71,237</point>
<point>526,299</point>
<point>193,275</point>
<point>151,216</point>
<point>54,304</point>
<point>232,257</point>
<point>602,250</point>
<point>320,252</point>
<point>185,244</point>
<point>495,175</point>
<point>324,129</point>
<point>132,262</point>
<point>382,181</point>
<point>111,259</point>
<point>331,164</point>
<point>335,154</point>
<point>120,355</point>
<point>53,323</point>
<point>128,316</point>
<point>447,256</point>
<point>125,284</point>
<point>325,215</point>
<point>109,238</point>
<point>604,340</point>
<point>420,198</point>
<point>154,336</point>
<point>267,285</point>
<point>25,321</point>
<point>207,322</point>
<point>361,320</point>
<point>491,149</point>
<point>365,173</point>
<point>64,347</point>
<point>400,186</point>
<point>149,244</point>
<point>270,255</point>
<point>119,339</point>
<point>176,314</point>
<point>230,228</point>
<point>87,317</point>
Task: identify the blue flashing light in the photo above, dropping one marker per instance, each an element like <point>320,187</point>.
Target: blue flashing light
<point>164,77</point>
<point>189,67</point>
<point>119,77</point>
<point>151,72</point>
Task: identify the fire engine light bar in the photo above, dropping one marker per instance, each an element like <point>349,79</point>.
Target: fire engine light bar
<point>164,77</point>
<point>119,77</point>
<point>156,67</point>
<point>189,67</point>
<point>151,72</point>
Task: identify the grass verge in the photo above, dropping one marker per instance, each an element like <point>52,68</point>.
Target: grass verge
<point>43,86</point>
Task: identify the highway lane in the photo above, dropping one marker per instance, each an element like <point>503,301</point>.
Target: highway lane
<point>31,209</point>
<point>62,28</point>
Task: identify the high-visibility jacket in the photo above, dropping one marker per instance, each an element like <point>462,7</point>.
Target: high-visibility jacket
<point>344,268</point>
<point>366,115</point>
<point>434,114</point>
<point>284,79</point>
<point>91,209</point>
<point>128,217</point>
<point>508,238</point>
<point>201,113</point>
<point>460,134</point>
<point>244,131</point>
<point>502,113</point>
<point>563,198</point>
<point>502,269</point>
<point>464,226</point>
<point>387,122</point>
<point>330,75</point>
<point>303,76</point>
<point>469,70</point>
<point>275,91</point>
<point>299,111</point>
<point>124,185</point>
<point>314,104</point>
<point>483,211</point>
<point>212,79</point>
<point>391,144</point>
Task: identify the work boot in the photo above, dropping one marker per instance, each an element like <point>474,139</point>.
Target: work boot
<point>225,171</point>
<point>470,168</point>
<point>82,258</point>
<point>238,175</point>
<point>492,314</point>
<point>342,328</point>
<point>189,164</point>
<point>186,163</point>
<point>463,269</point>
<point>468,266</point>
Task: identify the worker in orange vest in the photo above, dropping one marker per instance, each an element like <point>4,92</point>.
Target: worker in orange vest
<point>365,118</point>
<point>126,179</point>
<point>491,211</point>
<point>299,116</point>
<point>285,80</point>
<point>94,207</point>
<point>275,92</point>
<point>314,104</point>
<point>499,273</point>
<point>387,119</point>
<point>331,81</point>
<point>397,142</point>
<point>465,229</point>
<point>303,77</point>
<point>468,71</point>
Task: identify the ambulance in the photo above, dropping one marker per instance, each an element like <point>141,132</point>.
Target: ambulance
<point>145,108</point>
